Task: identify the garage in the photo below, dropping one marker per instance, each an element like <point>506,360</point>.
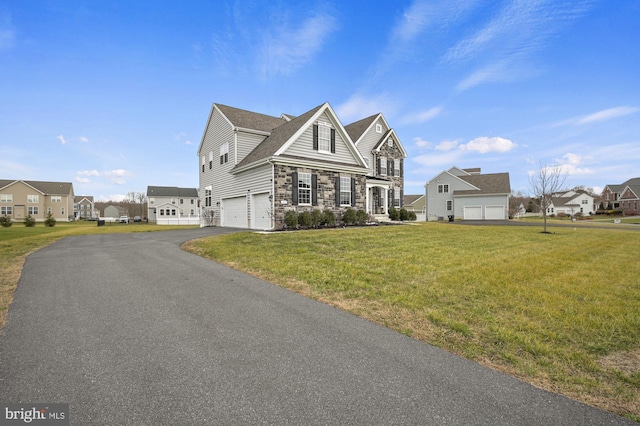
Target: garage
<point>494,212</point>
<point>261,211</point>
<point>234,212</point>
<point>473,213</point>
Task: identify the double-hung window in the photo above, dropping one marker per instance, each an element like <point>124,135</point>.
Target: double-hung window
<point>8,210</point>
<point>345,191</point>
<point>33,210</point>
<point>383,165</point>
<point>6,198</point>
<point>443,189</point>
<point>33,199</point>
<point>396,196</point>
<point>304,188</point>
<point>324,138</point>
<point>449,205</point>
<point>396,167</point>
<point>224,153</point>
<point>207,196</point>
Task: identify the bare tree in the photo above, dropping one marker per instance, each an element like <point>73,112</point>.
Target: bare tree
<point>544,182</point>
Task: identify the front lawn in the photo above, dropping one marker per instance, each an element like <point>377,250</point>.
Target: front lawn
<point>559,310</point>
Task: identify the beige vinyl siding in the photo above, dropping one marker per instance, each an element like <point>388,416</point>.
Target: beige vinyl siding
<point>303,146</point>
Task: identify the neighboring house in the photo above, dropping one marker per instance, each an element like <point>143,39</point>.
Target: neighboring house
<point>114,212</point>
<point>20,198</point>
<point>416,204</point>
<point>625,196</point>
<point>83,207</point>
<point>254,168</point>
<point>173,205</point>
<point>467,194</point>
<point>571,203</point>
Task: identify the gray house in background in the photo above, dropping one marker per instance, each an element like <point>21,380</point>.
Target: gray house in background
<point>468,194</point>
<point>170,205</point>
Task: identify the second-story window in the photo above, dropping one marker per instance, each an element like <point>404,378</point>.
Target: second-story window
<point>33,199</point>
<point>383,165</point>
<point>396,167</point>
<point>443,189</point>
<point>224,153</point>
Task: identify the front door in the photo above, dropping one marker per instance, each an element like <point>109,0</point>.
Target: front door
<point>18,212</point>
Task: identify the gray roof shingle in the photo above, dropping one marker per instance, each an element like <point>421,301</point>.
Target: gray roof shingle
<point>491,183</point>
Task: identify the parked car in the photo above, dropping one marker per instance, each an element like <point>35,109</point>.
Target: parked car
<point>137,219</point>
<point>124,219</point>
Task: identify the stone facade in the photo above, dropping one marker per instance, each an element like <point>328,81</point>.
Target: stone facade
<point>326,192</point>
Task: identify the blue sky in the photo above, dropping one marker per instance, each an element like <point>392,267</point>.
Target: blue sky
<point>114,95</point>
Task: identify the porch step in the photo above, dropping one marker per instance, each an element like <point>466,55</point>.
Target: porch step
<point>381,218</point>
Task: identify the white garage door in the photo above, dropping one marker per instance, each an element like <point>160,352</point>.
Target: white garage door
<point>234,212</point>
<point>494,212</point>
<point>472,213</point>
<point>261,211</point>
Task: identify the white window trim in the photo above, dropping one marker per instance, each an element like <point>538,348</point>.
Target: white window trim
<point>302,178</point>
<point>345,188</point>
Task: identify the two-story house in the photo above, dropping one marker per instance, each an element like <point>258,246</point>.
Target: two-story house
<point>625,196</point>
<point>468,194</point>
<point>254,167</point>
<point>22,198</point>
<point>170,205</point>
<point>572,203</point>
<point>84,207</point>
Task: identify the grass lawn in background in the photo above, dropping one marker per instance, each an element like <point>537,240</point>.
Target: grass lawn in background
<point>559,310</point>
<point>17,241</point>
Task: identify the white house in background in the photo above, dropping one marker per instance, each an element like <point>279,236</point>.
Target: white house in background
<point>468,194</point>
<point>84,207</point>
<point>170,205</point>
<point>571,203</point>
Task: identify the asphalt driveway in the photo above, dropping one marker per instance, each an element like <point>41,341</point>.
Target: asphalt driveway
<point>130,330</point>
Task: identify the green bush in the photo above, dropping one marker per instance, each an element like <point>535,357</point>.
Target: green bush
<point>361,217</point>
<point>412,216</point>
<point>50,220</point>
<point>328,218</point>
<point>394,214</point>
<point>5,221</point>
<point>304,219</point>
<point>291,219</point>
<point>316,218</point>
<point>349,216</point>
<point>29,221</point>
<point>404,214</point>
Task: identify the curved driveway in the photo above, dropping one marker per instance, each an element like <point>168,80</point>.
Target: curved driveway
<point>130,330</point>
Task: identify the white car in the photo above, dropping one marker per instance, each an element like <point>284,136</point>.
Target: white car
<point>124,219</point>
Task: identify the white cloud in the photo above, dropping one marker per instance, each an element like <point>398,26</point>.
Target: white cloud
<point>188,143</point>
<point>607,114</point>
<point>82,179</point>
<point>61,139</point>
<point>485,144</point>
<point>572,164</point>
<point>284,49</point>
<point>83,139</point>
<point>447,145</point>
<point>88,173</point>
<point>359,106</point>
<point>118,176</point>
<point>422,116</point>
<point>421,143</point>
<point>439,161</point>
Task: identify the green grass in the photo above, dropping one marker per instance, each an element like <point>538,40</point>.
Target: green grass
<point>17,241</point>
<point>559,310</point>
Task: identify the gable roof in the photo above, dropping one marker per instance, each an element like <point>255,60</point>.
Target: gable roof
<point>45,188</point>
<point>279,136</point>
<point>283,136</point>
<point>390,133</point>
<point>357,129</point>
<point>171,191</point>
<point>78,198</point>
<point>410,199</point>
<point>249,120</point>
<point>491,183</point>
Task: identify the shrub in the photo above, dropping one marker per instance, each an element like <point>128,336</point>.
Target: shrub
<point>412,216</point>
<point>404,214</point>
<point>5,221</point>
<point>316,218</point>
<point>50,220</point>
<point>394,214</point>
<point>29,221</point>
<point>304,219</point>
<point>361,217</point>
<point>328,218</point>
<point>349,216</point>
<point>291,219</point>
